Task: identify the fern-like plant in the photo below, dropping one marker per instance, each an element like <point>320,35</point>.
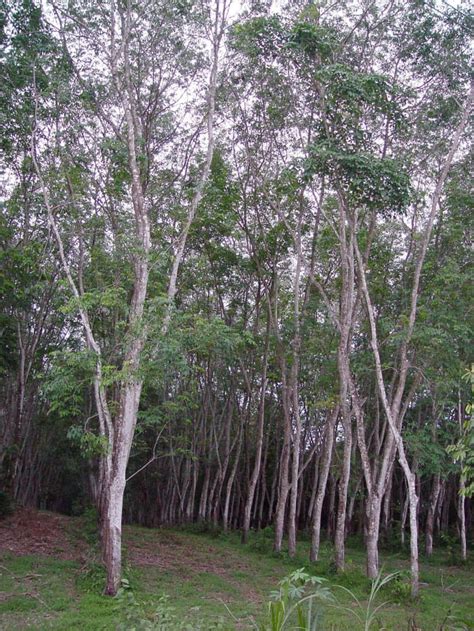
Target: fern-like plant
<point>292,607</point>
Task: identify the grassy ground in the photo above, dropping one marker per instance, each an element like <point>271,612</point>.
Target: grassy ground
<point>210,580</point>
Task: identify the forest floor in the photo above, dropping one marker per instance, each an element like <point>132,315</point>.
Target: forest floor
<point>50,578</point>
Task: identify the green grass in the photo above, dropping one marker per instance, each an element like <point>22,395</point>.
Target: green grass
<point>206,575</point>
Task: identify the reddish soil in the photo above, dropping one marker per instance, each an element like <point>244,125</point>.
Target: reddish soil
<point>31,532</point>
<point>36,532</point>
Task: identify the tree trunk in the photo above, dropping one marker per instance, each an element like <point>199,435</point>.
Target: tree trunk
<point>403,519</point>
<point>284,485</point>
<point>462,519</point>
<point>430,517</point>
<point>339,539</point>
<point>283,490</point>
<point>413,503</point>
<point>323,478</point>
<point>295,470</point>
<point>374,505</point>
<point>258,453</point>
<point>230,482</point>
<point>331,521</point>
<point>204,494</point>
<point>314,488</point>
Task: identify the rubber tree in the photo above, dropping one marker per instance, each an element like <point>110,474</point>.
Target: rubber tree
<point>128,105</point>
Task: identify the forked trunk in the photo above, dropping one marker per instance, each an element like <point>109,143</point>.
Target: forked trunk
<point>113,482</point>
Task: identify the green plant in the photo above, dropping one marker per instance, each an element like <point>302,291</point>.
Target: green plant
<point>366,615</point>
<point>452,547</point>
<point>91,579</point>
<point>399,588</point>
<point>208,528</point>
<point>133,613</point>
<point>161,616</point>
<point>90,525</point>
<point>291,603</point>
<point>451,622</point>
<point>261,543</point>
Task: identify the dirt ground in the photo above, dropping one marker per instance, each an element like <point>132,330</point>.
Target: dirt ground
<point>30,531</point>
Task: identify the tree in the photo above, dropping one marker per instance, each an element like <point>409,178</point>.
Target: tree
<point>140,86</point>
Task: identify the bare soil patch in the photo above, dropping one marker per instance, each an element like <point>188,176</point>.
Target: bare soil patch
<point>30,531</point>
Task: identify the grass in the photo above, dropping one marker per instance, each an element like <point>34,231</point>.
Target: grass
<point>206,576</point>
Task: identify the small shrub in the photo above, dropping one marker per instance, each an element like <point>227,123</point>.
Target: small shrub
<point>261,543</point>
<point>450,543</point>
<point>399,589</point>
<point>160,616</point>
<point>267,533</point>
<point>90,525</point>
<point>92,578</point>
<point>204,528</point>
<point>291,603</point>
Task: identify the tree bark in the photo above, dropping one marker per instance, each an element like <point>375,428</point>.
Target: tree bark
<point>430,517</point>
<point>323,478</point>
<point>259,446</point>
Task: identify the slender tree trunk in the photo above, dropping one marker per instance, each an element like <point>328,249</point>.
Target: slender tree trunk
<point>230,482</point>
<point>462,519</point>
<point>283,490</point>
<point>323,478</point>
<point>314,488</point>
<point>295,471</point>
<point>439,512</point>
<point>374,506</point>
<point>339,539</point>
<point>351,507</point>
<point>346,310</point>
<point>461,504</point>
<point>430,517</point>
<point>263,486</point>
<point>403,519</point>
<point>387,503</point>
<point>284,484</point>
<point>331,520</point>
<point>258,453</point>
<point>204,494</point>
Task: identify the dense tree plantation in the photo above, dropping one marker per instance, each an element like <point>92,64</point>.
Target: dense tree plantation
<point>237,269</point>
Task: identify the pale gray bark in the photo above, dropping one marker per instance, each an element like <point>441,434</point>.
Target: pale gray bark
<point>259,446</point>
<point>323,478</point>
<point>393,410</point>
<point>430,517</point>
<point>221,8</point>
